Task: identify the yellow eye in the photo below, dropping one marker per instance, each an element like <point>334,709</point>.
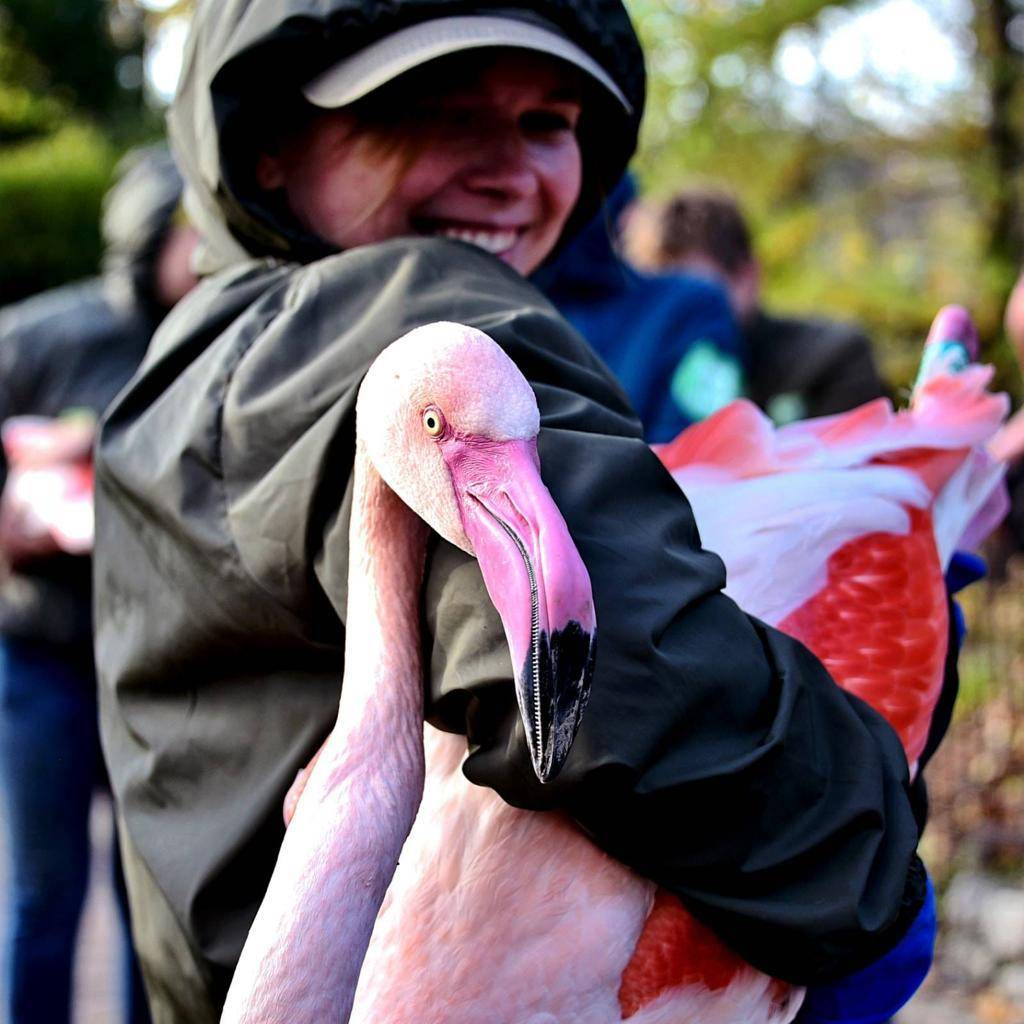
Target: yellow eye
<point>433,421</point>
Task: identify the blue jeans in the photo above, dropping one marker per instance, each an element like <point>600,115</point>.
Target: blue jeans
<point>49,768</point>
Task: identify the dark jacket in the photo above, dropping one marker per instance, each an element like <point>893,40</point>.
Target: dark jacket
<point>671,339</point>
<point>74,348</point>
<point>797,368</point>
<point>716,755</point>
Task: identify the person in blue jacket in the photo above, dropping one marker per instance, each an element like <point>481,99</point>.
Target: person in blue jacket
<point>671,339</point>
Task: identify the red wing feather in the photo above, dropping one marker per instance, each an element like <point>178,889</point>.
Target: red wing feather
<point>674,949</point>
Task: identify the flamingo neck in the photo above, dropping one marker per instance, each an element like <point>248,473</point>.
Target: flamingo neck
<point>383,671</point>
<point>341,849</point>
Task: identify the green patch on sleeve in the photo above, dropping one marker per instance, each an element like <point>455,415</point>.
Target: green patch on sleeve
<point>705,380</point>
<point>787,407</point>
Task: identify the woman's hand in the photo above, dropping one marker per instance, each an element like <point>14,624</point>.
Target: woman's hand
<point>46,505</point>
<point>23,535</point>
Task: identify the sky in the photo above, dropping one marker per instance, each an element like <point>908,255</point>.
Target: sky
<point>163,59</point>
<point>921,46</point>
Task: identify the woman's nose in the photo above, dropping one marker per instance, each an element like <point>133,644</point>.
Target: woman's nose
<point>502,166</point>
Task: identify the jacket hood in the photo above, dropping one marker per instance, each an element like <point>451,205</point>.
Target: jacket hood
<point>589,264</point>
<point>137,211</point>
<point>246,59</point>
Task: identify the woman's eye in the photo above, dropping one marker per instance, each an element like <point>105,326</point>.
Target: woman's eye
<point>441,120</point>
<point>454,119</point>
<point>547,122</point>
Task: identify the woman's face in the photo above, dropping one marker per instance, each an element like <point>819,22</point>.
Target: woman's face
<point>493,161</point>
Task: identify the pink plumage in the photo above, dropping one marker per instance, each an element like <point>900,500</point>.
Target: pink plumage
<point>840,528</point>
<point>837,530</point>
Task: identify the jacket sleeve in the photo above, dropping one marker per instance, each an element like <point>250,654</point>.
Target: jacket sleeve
<point>701,359</point>
<point>716,756</point>
<point>876,994</point>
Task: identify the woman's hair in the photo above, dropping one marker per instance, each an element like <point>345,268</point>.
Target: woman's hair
<point>377,128</point>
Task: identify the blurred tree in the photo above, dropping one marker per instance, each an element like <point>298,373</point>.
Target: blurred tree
<point>51,190</point>
<point>88,52</point>
<point>1000,32</point>
<point>25,110</point>
<point>71,100</point>
<point>871,196</point>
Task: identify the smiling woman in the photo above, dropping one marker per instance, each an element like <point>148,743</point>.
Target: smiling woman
<point>482,150</point>
<point>338,156</point>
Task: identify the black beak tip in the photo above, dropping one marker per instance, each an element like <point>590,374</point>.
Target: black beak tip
<point>549,765</point>
<point>546,775</point>
<point>566,663</point>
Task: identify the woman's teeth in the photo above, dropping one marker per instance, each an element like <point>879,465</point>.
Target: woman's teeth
<point>494,242</point>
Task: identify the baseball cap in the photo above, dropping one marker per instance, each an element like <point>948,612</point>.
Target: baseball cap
<point>359,74</point>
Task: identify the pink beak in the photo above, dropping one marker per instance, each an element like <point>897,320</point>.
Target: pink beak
<point>538,583</point>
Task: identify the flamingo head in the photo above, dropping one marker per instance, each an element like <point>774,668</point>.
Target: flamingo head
<point>451,425</point>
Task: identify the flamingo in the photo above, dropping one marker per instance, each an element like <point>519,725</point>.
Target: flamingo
<point>466,461</point>
<point>570,935</point>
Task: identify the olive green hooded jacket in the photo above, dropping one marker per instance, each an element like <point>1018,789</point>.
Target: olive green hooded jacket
<point>716,755</point>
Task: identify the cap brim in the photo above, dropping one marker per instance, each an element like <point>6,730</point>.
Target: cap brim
<point>360,74</point>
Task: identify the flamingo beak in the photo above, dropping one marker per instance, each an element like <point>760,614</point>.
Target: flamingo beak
<point>539,585</point>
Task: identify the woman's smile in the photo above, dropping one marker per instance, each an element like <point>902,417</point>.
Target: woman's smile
<point>496,241</point>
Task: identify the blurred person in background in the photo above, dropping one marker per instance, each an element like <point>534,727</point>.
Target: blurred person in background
<point>1009,444</point>
<point>670,338</point>
<point>796,368</point>
<point>1013,320</point>
<point>68,350</point>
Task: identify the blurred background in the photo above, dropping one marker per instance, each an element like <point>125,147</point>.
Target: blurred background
<point>876,146</point>
<point>877,149</point>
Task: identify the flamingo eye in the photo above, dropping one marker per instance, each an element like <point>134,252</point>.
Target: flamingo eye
<point>433,421</point>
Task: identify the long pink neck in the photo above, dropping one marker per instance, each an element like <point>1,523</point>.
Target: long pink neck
<point>302,958</point>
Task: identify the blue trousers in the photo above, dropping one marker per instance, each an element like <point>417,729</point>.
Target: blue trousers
<point>50,766</point>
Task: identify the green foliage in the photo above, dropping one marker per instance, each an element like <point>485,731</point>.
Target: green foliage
<point>24,114</point>
<point>51,190</point>
<point>851,219</point>
<point>85,50</point>
<point>24,110</point>
<point>65,116</point>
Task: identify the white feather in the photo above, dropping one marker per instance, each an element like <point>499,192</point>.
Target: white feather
<point>787,525</point>
<point>973,498</point>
